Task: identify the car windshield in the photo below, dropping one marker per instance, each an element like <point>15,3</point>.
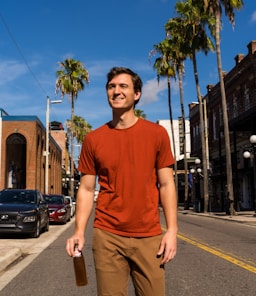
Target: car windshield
<point>56,200</point>
<point>68,200</point>
<point>17,197</point>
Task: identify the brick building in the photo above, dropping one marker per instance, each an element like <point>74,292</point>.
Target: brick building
<point>22,154</point>
<point>240,86</point>
<point>60,136</point>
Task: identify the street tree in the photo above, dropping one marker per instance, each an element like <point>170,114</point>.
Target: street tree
<point>140,113</point>
<point>80,128</point>
<point>163,66</point>
<point>214,10</point>
<point>71,79</point>
<point>178,57</point>
<point>192,27</point>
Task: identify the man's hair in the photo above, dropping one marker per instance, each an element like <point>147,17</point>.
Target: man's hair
<point>137,82</point>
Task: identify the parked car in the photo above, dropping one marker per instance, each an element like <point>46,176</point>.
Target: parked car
<point>59,208</point>
<point>23,211</point>
<point>96,193</point>
<point>72,205</point>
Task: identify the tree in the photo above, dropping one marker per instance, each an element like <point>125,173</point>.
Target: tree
<point>214,9</point>
<point>140,113</point>
<point>192,21</point>
<point>80,128</point>
<point>179,54</point>
<point>71,79</point>
<point>163,66</point>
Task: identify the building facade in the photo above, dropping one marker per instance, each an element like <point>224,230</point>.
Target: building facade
<point>178,152</point>
<point>58,133</point>
<point>178,136</point>
<point>22,155</point>
<point>240,87</point>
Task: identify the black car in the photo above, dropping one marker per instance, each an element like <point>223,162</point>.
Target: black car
<point>23,211</point>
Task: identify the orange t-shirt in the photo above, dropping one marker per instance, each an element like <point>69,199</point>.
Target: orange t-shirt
<point>126,162</point>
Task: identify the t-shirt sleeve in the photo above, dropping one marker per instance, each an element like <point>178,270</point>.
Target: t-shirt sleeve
<point>165,156</point>
<point>86,160</point>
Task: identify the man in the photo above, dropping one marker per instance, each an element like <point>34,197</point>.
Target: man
<point>133,161</point>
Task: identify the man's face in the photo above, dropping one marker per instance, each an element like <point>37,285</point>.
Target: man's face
<point>120,92</point>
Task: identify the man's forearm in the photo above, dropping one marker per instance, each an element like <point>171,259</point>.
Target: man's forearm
<point>169,203</point>
<point>83,210</point>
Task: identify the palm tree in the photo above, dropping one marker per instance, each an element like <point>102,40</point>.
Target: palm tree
<point>214,9</point>
<point>163,66</point>
<point>70,81</point>
<point>178,57</point>
<point>140,113</point>
<point>180,52</point>
<point>80,128</point>
<point>180,70</point>
<point>195,37</point>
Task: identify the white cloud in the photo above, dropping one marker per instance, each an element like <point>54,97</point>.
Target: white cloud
<point>253,17</point>
<point>11,70</point>
<point>152,90</point>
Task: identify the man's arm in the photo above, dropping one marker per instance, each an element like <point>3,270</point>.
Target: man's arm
<point>84,205</point>
<point>168,200</point>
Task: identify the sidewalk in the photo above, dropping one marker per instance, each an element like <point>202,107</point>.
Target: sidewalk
<point>247,217</point>
<point>14,248</point>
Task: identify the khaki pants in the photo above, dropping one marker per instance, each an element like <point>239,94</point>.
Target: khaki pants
<point>116,257</point>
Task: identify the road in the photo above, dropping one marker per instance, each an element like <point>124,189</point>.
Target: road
<point>215,257</point>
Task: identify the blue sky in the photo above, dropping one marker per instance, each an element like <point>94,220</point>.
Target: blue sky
<point>36,35</point>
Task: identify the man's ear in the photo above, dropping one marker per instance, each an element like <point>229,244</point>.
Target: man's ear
<point>137,96</point>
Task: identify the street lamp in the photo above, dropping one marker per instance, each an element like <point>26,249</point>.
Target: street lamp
<point>48,102</point>
<point>197,161</point>
<point>196,172</point>
<point>248,154</point>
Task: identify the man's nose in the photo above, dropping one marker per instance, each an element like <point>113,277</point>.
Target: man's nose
<point>117,89</point>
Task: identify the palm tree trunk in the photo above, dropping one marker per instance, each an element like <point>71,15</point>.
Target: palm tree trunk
<point>72,149</point>
<point>202,134</point>
<point>172,129</point>
<point>230,193</point>
<point>184,138</point>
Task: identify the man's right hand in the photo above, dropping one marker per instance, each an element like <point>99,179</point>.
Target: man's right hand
<point>72,241</point>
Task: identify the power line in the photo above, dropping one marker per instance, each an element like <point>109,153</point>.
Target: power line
<point>21,53</point>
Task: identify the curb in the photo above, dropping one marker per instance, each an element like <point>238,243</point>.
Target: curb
<point>10,255</point>
<point>242,218</point>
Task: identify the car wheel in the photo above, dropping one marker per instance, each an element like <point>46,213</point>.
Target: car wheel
<point>36,233</point>
<point>65,220</point>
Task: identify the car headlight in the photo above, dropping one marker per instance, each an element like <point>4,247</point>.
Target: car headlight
<point>61,211</point>
<point>29,219</point>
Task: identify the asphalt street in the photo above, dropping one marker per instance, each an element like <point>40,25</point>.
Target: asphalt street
<point>16,253</point>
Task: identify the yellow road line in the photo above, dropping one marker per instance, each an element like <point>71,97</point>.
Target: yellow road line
<point>216,252</point>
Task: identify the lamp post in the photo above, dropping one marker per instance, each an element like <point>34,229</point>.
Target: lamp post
<point>48,102</point>
<point>205,149</point>
<point>197,172</point>
<point>248,154</point>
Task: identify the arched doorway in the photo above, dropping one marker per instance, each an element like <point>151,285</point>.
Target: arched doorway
<point>16,147</point>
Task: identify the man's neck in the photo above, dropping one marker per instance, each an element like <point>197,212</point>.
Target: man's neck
<point>123,121</point>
